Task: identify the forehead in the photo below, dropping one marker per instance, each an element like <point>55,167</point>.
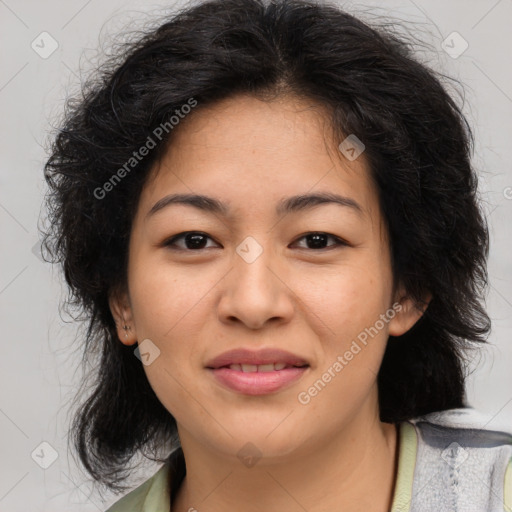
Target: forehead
<point>253,153</point>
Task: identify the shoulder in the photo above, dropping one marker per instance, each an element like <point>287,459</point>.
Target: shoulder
<point>466,426</point>
<point>461,463</point>
<point>462,417</point>
<point>153,494</point>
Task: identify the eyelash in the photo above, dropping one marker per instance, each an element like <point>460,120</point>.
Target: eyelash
<point>169,243</point>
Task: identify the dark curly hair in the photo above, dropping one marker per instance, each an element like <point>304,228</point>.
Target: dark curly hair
<point>418,149</point>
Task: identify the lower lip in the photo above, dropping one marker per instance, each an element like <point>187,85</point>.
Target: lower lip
<point>257,383</point>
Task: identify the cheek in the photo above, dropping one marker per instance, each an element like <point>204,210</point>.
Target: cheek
<point>171,388</point>
<point>168,306</point>
<point>345,300</point>
<point>166,299</point>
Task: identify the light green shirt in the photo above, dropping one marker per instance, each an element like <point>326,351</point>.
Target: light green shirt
<point>442,466</point>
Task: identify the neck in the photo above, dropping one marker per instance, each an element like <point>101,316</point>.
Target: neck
<point>354,471</point>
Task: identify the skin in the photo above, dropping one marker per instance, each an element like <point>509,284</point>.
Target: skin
<point>332,453</point>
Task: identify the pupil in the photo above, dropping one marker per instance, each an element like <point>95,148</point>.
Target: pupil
<point>194,240</point>
<point>318,240</point>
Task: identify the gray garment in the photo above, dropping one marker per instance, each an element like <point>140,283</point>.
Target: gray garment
<point>460,465</point>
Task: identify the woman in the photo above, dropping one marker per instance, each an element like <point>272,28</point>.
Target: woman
<point>269,213</point>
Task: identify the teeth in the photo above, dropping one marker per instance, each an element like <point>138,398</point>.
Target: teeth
<point>250,368</point>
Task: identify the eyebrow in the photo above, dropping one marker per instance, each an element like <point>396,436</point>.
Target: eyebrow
<point>286,205</point>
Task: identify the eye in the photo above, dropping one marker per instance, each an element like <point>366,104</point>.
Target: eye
<point>197,240</point>
<point>318,239</point>
<point>194,240</point>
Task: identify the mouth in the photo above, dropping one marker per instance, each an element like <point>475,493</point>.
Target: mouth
<point>257,372</point>
<point>260,368</point>
<point>247,360</point>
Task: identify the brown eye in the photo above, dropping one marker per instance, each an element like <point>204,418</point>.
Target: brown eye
<point>197,240</point>
<point>193,240</point>
<point>318,241</point>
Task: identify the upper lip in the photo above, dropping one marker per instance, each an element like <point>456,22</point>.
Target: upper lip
<point>263,356</point>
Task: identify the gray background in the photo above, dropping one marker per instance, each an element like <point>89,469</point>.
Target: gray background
<point>39,365</point>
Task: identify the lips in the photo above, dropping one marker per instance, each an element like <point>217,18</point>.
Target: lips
<point>257,372</point>
<point>256,360</point>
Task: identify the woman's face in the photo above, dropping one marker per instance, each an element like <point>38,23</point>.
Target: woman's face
<point>255,278</point>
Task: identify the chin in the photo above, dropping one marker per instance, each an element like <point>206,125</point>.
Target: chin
<point>267,445</point>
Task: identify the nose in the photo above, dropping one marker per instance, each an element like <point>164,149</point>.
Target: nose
<point>255,292</point>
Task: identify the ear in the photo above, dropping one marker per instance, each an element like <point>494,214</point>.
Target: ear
<point>121,310</point>
<point>407,312</point>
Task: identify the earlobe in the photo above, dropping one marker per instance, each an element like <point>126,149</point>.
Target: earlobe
<point>407,314</point>
<point>123,318</point>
